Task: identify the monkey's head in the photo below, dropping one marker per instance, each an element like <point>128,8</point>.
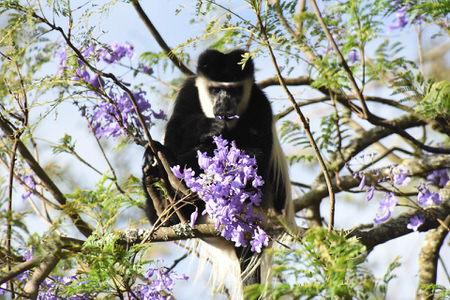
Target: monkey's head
<point>223,84</point>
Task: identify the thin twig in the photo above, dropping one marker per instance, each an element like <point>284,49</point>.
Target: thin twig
<point>178,63</point>
<point>366,114</point>
<point>303,120</point>
<point>82,226</point>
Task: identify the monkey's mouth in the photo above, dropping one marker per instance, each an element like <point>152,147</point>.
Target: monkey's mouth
<point>227,117</point>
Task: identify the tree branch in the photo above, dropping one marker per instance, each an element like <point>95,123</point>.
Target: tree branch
<point>396,227</point>
<point>415,167</point>
<point>301,80</point>
<point>46,266</point>
<point>178,63</point>
<point>428,259</point>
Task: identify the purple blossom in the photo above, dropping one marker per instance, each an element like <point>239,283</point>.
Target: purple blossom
<point>110,117</point>
<point>52,288</point>
<point>386,207</point>
<point>438,177</point>
<point>62,61</point>
<point>415,222</point>
<point>259,240</point>
<point>194,216</point>
<point>29,181</point>
<point>369,196</point>
<point>399,176</point>
<point>81,74</point>
<point>362,183</point>
<point>147,70</point>
<point>160,287</point>
<point>401,19</point>
<point>224,186</point>
<point>353,55</point>
<point>105,117</point>
<point>426,197</point>
<point>115,52</point>
<point>89,50</point>
<point>97,81</point>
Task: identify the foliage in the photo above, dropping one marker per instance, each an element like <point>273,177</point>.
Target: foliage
<point>324,265</point>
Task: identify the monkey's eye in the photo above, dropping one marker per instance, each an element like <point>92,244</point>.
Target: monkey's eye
<point>214,90</point>
<point>236,91</point>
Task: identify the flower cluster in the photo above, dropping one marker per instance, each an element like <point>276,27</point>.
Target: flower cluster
<point>160,287</point>
<point>401,18</point>
<point>399,177</point>
<point>116,112</point>
<point>438,177</point>
<point>230,187</point>
<point>52,287</point>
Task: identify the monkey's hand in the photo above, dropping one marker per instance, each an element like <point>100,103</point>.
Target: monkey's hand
<point>216,127</point>
<point>150,168</point>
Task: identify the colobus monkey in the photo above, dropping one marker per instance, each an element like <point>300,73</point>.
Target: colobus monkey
<point>223,99</point>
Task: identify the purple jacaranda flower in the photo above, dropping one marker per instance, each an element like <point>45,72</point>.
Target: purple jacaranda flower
<point>97,81</point>
<point>415,222</point>
<point>438,177</point>
<point>224,186</point>
<point>160,287</point>
<point>362,182</point>
<point>399,176</point>
<point>88,51</point>
<point>29,181</point>
<point>62,61</point>
<point>369,195</point>
<point>176,171</point>
<point>426,197</point>
<point>81,75</point>
<point>147,70</point>
<point>353,55</point>
<point>259,240</point>
<point>386,207</point>
<point>115,52</point>
<point>401,19</point>
<point>194,216</point>
<point>105,116</point>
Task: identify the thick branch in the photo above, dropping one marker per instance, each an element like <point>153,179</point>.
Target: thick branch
<point>415,167</point>
<point>181,231</point>
<point>19,269</point>
<point>47,265</point>
<point>428,259</point>
<point>396,227</point>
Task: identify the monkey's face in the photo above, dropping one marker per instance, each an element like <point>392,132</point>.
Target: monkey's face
<point>226,100</point>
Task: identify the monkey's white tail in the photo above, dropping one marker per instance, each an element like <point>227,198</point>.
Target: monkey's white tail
<point>225,276</point>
